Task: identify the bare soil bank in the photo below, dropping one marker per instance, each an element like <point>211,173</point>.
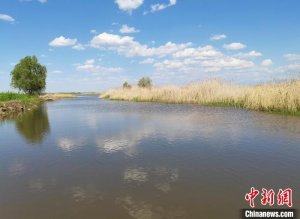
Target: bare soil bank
<point>15,107</point>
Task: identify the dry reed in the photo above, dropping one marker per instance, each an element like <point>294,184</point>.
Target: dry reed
<point>56,96</point>
<point>276,96</point>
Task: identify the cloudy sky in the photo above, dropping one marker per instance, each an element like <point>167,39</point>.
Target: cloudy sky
<point>95,45</point>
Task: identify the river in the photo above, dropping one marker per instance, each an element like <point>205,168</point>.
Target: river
<point>92,158</point>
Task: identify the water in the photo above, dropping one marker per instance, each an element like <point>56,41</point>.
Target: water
<point>92,158</point>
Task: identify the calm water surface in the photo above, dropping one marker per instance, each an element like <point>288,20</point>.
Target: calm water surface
<point>90,158</point>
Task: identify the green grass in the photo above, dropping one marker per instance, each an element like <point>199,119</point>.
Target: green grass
<point>12,104</point>
<point>25,98</point>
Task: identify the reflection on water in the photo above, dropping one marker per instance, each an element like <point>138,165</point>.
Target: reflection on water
<point>36,185</point>
<point>135,175</point>
<point>17,167</point>
<point>33,125</point>
<point>88,193</point>
<point>107,159</point>
<point>140,209</point>
<point>69,144</point>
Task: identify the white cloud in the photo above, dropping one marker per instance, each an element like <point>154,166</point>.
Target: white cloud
<point>266,62</point>
<point>173,57</point>
<point>128,46</point>
<point>129,5</point>
<point>205,58</point>
<point>148,61</point>
<point>126,29</point>
<point>234,46</point>
<point>208,65</point>
<point>218,37</point>
<point>198,53</point>
<point>294,67</point>
<point>107,39</point>
<point>171,65</point>
<point>292,57</point>
<point>62,41</point>
<point>90,67</point>
<point>169,48</point>
<point>161,6</point>
<point>7,18</point>
<point>227,62</point>
<point>57,71</point>
<point>251,54</point>
<point>78,47</point>
<point>93,31</point>
<point>41,1</point>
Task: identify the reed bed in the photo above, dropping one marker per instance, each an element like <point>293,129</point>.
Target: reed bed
<point>276,96</point>
<point>56,96</point>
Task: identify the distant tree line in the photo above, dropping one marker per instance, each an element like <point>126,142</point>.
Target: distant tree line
<point>29,76</point>
<point>144,82</point>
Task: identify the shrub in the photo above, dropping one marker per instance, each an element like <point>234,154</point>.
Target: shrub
<point>126,85</point>
<point>145,82</point>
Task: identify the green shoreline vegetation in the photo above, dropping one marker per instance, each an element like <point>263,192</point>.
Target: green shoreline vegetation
<point>14,103</point>
<point>278,97</point>
<point>29,77</point>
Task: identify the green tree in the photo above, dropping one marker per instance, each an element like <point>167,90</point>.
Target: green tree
<point>126,85</point>
<point>145,82</point>
<point>29,76</point>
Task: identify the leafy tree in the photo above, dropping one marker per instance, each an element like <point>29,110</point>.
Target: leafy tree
<point>145,82</point>
<point>29,76</point>
<point>126,85</point>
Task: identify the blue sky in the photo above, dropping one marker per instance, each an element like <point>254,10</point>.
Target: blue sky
<point>96,45</point>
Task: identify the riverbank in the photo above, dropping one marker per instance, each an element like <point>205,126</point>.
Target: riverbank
<point>280,97</point>
<point>12,104</point>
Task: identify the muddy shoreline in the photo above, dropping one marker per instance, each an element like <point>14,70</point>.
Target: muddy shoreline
<point>15,107</point>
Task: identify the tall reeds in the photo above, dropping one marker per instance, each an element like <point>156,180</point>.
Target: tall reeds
<point>276,96</point>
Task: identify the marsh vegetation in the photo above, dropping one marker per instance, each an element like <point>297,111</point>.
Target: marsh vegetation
<point>273,97</point>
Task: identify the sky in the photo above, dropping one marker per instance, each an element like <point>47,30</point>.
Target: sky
<point>97,45</point>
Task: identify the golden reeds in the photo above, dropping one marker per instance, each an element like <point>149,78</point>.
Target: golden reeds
<point>56,96</point>
<point>276,96</point>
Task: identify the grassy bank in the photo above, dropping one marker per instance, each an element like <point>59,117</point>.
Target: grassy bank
<point>282,97</point>
<point>14,103</point>
<point>8,96</point>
